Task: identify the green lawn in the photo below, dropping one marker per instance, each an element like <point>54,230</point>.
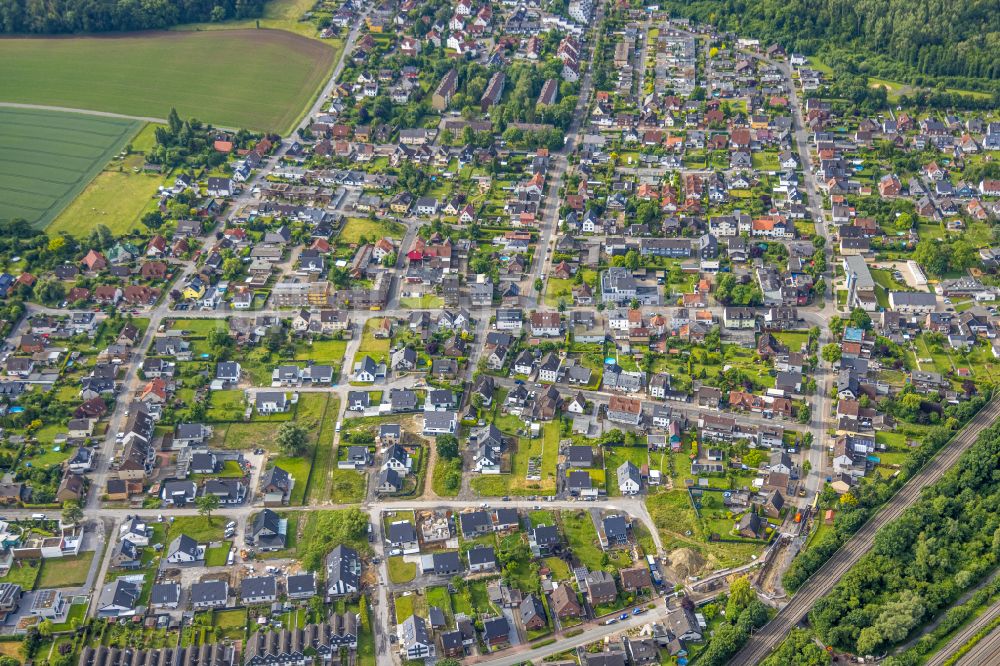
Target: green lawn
<point>357,227</point>
<point>225,406</point>
<point>447,477</point>
<point>330,352</point>
<point>557,289</point>
<point>401,571</point>
<point>76,612</point>
<point>794,339</point>
<point>377,348</point>
<point>198,327</point>
<point>146,75</point>
<point>116,199</point>
<point>231,623</point>
<point>410,604</point>
<point>50,157</point>
<point>24,574</point>
<point>311,413</point>
<point>347,486</point>
<point>425,302</point>
<point>582,538</point>
<point>197,527</point>
<point>241,436</point>
<point>216,557</point>
<point>65,571</point>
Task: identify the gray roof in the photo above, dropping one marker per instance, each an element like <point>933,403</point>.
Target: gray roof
<point>628,471</point>
<point>579,480</point>
<point>342,564</point>
<point>447,562</point>
<point>210,591</point>
<point>389,478</point>
<point>580,455</point>
<point>301,584</point>
<point>265,522</point>
<point>481,555</point>
<point>496,627</point>
<point>615,526</point>
<point>546,534</point>
<point>183,544</point>
<point>474,521</point>
<point>414,631</point>
<point>165,593</point>
<point>276,477</point>
<point>402,532</point>
<point>531,606</point>
<point>438,420</point>
<point>259,586</point>
<point>120,593</point>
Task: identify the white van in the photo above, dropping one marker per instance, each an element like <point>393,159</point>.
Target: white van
<point>38,516</point>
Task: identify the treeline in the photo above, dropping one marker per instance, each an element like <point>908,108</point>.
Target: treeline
<point>921,562</point>
<point>936,38</point>
<point>70,16</point>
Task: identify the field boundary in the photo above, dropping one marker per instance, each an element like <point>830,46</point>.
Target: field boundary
<point>83,112</point>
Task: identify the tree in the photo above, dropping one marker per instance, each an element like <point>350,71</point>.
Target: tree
<point>292,438</point>
<point>539,285</point>
<point>50,291</point>
<point>206,505</point>
<point>220,343</point>
<point>101,237</point>
<point>72,513</point>
<point>860,319</point>
<point>831,353</point>
<point>741,595</point>
<point>798,648</point>
<point>447,446</point>
<point>231,267</point>
<point>153,219</point>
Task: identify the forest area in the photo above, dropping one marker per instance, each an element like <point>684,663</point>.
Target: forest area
<point>917,42</point>
<point>54,17</point>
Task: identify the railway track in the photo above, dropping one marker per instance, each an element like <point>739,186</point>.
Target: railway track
<point>984,653</point>
<point>820,583</point>
<point>963,637</point>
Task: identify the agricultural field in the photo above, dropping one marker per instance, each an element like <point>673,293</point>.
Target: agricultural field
<point>50,157</point>
<point>270,75</point>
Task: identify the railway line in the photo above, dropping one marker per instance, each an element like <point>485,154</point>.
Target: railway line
<point>820,583</point>
<point>990,643</point>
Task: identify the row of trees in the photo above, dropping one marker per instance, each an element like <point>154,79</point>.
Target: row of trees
<point>66,16</point>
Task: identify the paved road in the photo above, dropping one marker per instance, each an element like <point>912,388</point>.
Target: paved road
<point>986,651</point>
<point>515,656</point>
<point>820,583</point>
